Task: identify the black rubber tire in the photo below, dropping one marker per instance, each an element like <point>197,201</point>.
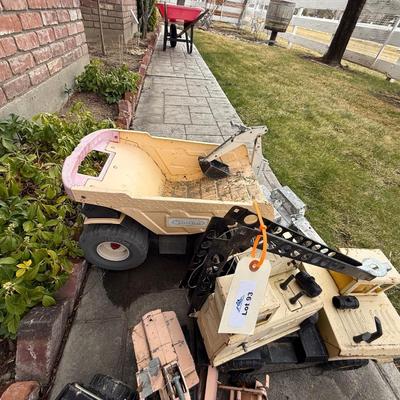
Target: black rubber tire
<point>247,380</point>
<point>132,235</point>
<point>237,365</point>
<point>345,365</point>
<point>173,34</point>
<point>111,389</point>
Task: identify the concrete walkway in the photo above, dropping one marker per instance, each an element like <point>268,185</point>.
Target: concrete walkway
<point>182,99</point>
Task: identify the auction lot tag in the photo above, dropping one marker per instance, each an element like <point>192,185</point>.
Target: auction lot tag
<point>245,297</point>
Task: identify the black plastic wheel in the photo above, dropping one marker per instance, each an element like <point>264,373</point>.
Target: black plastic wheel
<point>345,365</point>
<point>111,389</point>
<point>115,247</point>
<point>173,34</point>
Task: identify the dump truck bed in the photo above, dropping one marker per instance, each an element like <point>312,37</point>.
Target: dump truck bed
<point>158,180</point>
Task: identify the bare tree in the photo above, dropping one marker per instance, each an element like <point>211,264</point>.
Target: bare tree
<point>343,33</point>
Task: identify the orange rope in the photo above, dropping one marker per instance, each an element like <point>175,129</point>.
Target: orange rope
<point>263,235</point>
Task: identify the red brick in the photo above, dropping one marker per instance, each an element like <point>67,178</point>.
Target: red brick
<point>60,31</point>
<point>3,98</point>
<point>70,291</point>
<point>39,75</point>
<point>57,49</point>
<point>78,53</point>
<point>55,65</point>
<point>72,29</point>
<point>67,3</point>
<point>27,41</point>
<point>26,390</point>
<point>37,3</point>
<point>39,337</point>
<point>9,24</point>
<point>70,43</point>
<point>49,17</point>
<point>16,86</point>
<point>54,3</point>
<point>14,4</point>
<point>45,35</point>
<point>80,39</point>
<point>68,58</point>
<point>80,26</point>
<point>7,47</point>
<point>5,71</point>
<point>42,54</point>
<point>73,15</point>
<point>21,63</point>
<point>85,49</point>
<point>31,20</point>
<point>63,16</point>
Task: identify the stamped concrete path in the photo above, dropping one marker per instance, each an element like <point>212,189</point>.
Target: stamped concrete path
<point>181,99</point>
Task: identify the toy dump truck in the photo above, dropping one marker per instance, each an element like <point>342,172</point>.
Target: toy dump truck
<point>157,186</point>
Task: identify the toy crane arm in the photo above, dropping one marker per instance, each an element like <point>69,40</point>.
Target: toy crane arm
<point>231,234</point>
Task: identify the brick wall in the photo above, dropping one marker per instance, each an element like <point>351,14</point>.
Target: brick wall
<point>117,19</point>
<point>38,39</point>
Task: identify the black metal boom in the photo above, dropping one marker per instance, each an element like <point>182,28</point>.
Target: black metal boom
<point>235,233</point>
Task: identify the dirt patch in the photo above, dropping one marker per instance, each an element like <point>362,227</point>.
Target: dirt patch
<point>7,363</point>
<point>94,103</point>
<point>130,54</point>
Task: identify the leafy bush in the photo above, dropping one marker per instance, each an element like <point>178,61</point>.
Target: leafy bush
<point>111,83</point>
<point>38,223</point>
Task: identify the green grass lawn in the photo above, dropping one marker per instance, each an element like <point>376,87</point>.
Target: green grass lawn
<point>334,136</point>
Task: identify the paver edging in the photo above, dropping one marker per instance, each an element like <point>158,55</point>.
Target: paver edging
<point>42,330</point>
<point>127,106</point>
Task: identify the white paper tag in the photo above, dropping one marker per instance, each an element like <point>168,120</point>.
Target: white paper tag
<point>245,297</point>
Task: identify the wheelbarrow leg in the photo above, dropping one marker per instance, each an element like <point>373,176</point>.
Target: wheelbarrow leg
<point>165,27</point>
<point>165,36</point>
<point>189,39</point>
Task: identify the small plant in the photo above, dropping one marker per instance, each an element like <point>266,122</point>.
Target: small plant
<point>111,83</point>
<point>38,223</point>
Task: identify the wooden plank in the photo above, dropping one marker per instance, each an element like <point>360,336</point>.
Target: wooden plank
<point>371,32</point>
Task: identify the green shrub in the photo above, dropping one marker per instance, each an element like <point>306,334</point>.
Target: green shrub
<point>111,83</point>
<point>38,223</point>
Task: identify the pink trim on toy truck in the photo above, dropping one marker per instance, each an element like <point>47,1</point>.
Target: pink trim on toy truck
<point>94,141</point>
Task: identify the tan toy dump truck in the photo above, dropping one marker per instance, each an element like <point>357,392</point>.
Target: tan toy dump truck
<point>156,186</point>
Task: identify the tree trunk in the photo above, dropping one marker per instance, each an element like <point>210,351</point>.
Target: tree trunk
<point>343,33</point>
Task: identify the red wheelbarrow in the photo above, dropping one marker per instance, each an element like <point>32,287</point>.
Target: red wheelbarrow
<point>188,16</point>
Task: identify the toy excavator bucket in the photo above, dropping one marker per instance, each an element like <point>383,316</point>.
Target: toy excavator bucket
<point>214,169</point>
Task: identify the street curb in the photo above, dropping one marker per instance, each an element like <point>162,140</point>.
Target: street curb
<point>127,106</point>
<point>42,330</point>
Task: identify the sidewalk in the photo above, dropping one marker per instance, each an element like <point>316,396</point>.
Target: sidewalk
<point>181,99</point>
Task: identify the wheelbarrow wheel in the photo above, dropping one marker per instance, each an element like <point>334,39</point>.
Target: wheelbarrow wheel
<point>115,247</point>
<point>173,35</point>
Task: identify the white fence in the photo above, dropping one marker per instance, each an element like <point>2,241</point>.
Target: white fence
<point>384,35</point>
